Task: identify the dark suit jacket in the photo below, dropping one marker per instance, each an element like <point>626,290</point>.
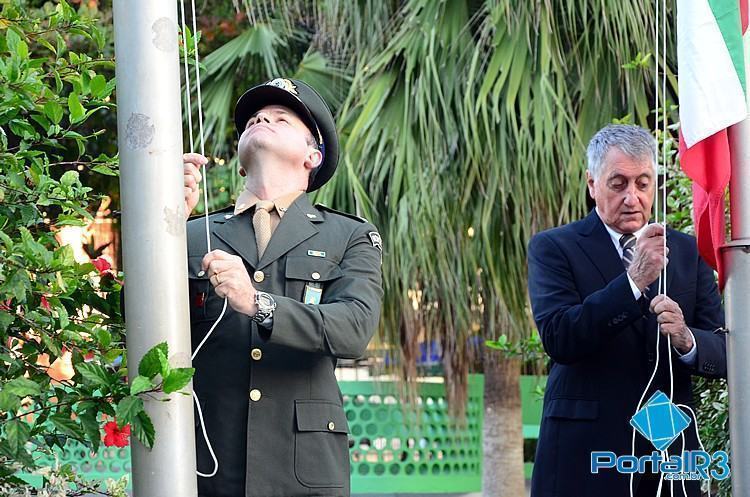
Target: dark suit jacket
<point>602,344</point>
<point>292,440</point>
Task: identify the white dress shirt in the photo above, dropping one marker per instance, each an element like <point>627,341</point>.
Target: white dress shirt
<point>689,357</point>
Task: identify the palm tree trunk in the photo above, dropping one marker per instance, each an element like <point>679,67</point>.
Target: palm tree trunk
<point>502,432</point>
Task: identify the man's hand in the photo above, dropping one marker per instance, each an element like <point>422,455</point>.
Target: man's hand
<point>669,315</point>
<point>649,258</point>
<point>229,277</point>
<point>192,177</point>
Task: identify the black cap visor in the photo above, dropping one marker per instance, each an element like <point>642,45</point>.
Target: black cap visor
<point>256,98</point>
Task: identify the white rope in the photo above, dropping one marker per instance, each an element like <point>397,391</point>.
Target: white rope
<point>205,199</point>
<point>660,214</point>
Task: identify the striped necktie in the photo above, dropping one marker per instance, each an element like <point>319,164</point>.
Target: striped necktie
<point>627,242</point>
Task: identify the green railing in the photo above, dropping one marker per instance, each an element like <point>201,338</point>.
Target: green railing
<point>413,450</point>
<point>395,449</point>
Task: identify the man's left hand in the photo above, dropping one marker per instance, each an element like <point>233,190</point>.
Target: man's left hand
<point>230,279</point>
<point>669,315</point>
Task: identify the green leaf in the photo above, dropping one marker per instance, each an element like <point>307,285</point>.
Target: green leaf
<point>104,337</point>
<point>67,426</point>
<point>17,433</point>
<point>103,169</point>
<point>9,402</point>
<point>54,111</point>
<point>163,363</point>
<point>11,39</point>
<point>127,409</point>
<point>90,427</point>
<point>94,374</point>
<point>97,85</point>
<point>143,429</point>
<point>5,320</point>
<point>69,178</point>
<point>22,387</point>
<point>140,384</point>
<point>76,109</point>
<point>151,363</point>
<point>177,379</point>
<point>22,50</point>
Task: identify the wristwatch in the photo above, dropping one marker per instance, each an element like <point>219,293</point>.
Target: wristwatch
<point>265,304</point>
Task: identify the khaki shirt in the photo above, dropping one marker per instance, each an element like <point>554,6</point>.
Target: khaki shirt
<point>248,199</point>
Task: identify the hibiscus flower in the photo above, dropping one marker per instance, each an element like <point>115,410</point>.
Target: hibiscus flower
<point>101,264</point>
<point>114,436</point>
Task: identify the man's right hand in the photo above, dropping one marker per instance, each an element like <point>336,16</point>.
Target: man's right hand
<point>192,178</point>
<point>649,258</point>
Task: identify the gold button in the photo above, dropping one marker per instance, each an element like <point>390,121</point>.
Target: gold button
<point>331,426</point>
<point>256,354</point>
<point>316,275</point>
<point>259,276</point>
<point>255,395</point>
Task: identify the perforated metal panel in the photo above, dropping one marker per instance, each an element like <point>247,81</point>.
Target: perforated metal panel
<point>395,449</point>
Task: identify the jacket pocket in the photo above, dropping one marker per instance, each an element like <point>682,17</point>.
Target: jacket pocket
<point>302,270</point>
<point>572,409</point>
<point>204,303</point>
<point>321,452</point>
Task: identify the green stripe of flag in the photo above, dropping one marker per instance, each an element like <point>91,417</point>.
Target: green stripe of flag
<point>727,14</point>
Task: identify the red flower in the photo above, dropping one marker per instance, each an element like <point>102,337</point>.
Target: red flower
<point>5,306</point>
<point>101,264</point>
<point>116,436</point>
<point>43,302</point>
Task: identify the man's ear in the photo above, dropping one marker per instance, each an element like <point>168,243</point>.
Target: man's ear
<point>590,183</point>
<point>314,159</point>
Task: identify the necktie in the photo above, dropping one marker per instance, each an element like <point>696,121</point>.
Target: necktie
<point>262,224</point>
<point>627,242</point>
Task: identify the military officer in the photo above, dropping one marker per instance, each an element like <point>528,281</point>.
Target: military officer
<point>302,285</point>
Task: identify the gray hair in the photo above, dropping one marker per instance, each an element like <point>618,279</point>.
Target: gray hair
<point>633,141</point>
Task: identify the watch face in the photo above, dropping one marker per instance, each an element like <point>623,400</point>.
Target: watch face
<point>265,300</point>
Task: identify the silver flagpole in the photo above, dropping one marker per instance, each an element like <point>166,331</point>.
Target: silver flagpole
<point>153,230</point>
<point>736,256</point>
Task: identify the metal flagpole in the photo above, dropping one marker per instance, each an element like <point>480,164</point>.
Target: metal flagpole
<point>153,230</point>
<point>736,256</point>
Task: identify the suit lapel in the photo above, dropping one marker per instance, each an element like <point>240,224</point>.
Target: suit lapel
<point>296,226</point>
<point>598,247</point>
<point>237,232</point>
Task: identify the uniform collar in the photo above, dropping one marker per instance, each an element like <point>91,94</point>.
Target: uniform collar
<point>248,199</point>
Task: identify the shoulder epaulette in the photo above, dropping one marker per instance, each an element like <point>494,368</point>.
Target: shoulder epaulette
<point>323,207</point>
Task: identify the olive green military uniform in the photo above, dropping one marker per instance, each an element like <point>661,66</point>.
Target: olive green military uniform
<point>270,400</point>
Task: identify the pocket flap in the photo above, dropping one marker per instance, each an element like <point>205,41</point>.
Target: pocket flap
<point>303,268</point>
<point>194,267</point>
<point>320,415</point>
<point>572,409</point>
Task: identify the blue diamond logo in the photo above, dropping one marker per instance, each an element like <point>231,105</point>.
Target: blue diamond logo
<point>660,421</point>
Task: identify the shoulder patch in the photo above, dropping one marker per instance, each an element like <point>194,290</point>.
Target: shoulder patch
<point>345,214</point>
<point>377,242</point>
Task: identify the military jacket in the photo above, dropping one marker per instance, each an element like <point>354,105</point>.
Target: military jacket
<point>271,404</point>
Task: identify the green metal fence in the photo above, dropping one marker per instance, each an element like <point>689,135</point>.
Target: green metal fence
<point>418,450</point>
<point>395,449</point>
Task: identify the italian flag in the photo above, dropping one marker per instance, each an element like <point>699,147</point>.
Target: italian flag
<point>711,80</point>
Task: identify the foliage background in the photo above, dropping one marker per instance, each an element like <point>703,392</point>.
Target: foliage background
<point>463,125</point>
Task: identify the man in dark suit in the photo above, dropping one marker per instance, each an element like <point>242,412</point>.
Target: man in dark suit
<point>303,287</point>
<point>594,293</point>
